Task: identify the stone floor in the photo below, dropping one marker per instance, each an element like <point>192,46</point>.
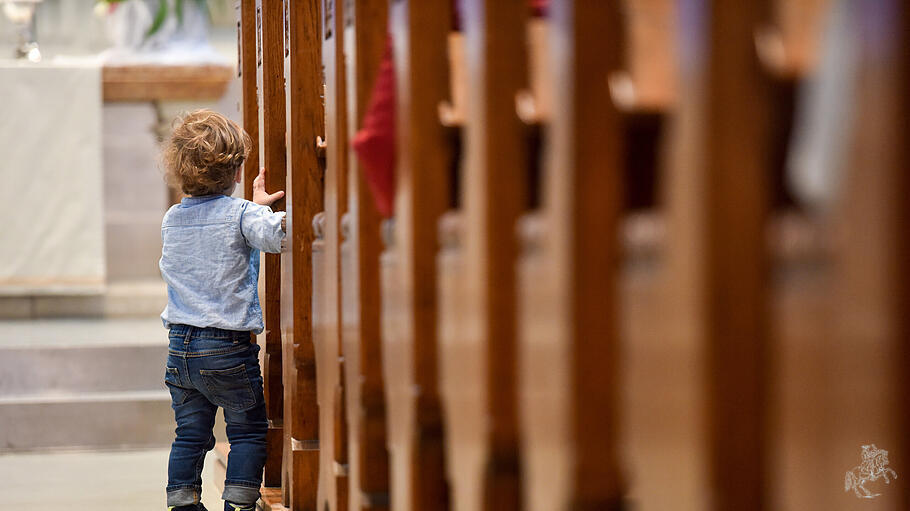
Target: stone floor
<point>92,480</point>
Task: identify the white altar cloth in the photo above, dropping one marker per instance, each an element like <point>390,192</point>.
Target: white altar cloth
<point>52,229</point>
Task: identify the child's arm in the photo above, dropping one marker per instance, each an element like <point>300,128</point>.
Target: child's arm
<point>262,229</point>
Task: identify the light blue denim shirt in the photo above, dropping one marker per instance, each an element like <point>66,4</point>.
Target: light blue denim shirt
<point>210,261</point>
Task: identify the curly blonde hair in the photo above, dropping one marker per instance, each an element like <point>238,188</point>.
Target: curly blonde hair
<point>204,152</point>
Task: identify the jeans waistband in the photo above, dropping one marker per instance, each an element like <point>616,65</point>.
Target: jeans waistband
<point>208,333</point>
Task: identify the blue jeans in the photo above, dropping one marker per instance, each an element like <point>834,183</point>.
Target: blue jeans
<point>208,368</point>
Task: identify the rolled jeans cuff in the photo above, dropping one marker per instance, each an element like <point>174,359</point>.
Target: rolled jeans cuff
<point>184,496</point>
<point>240,493</point>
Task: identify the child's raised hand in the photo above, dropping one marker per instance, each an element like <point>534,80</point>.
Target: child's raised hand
<point>260,196</point>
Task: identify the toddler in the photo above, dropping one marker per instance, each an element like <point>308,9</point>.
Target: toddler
<point>210,262</point>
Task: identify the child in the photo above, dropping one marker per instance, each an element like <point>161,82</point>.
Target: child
<point>210,261</point>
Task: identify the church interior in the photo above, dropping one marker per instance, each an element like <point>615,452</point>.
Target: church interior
<point>540,255</point>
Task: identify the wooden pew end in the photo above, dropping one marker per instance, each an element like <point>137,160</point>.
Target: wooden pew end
<point>623,91</point>
<point>452,113</point>
<point>527,108</point>
<point>449,116</point>
<point>772,52</point>
<point>319,225</point>
<point>450,229</point>
<point>321,147</point>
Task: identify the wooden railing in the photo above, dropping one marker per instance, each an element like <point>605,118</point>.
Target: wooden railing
<point>597,289</point>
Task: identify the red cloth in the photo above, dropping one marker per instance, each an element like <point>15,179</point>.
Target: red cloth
<point>539,7</point>
<point>375,142</point>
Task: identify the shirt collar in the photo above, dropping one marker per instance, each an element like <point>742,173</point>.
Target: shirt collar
<point>197,199</point>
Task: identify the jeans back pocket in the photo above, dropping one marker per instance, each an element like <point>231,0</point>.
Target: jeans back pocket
<point>172,380</point>
<point>229,388</point>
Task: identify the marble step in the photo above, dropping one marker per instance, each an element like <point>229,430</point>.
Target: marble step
<point>84,383</point>
<point>124,299</point>
<point>86,420</point>
<point>67,370</point>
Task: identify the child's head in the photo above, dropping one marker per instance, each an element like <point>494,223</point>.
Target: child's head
<point>205,153</point>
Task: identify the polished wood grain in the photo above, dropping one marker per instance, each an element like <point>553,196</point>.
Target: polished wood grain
<point>246,39</point>
<point>869,324</point>
<point>729,165</point>
<point>365,33</point>
<point>626,337</point>
<point>141,82</point>
<point>476,266</point>
<point>737,167</point>
<point>419,30</point>
<point>569,357</point>
<point>898,169</point>
<point>329,363</point>
<point>272,126</point>
<point>305,121</point>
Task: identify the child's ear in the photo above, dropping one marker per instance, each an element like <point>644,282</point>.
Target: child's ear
<point>238,176</point>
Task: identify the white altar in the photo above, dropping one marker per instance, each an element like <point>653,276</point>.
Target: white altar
<point>83,193</point>
<point>52,237</point>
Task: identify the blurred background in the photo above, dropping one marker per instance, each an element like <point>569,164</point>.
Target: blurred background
<point>85,420</point>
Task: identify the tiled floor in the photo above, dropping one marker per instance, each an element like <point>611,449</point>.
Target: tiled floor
<point>88,481</point>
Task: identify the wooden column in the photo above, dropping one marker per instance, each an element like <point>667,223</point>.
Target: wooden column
<point>419,30</point>
<point>333,461</point>
<point>477,282</point>
<point>305,122</point>
<point>365,32</point>
<point>873,223</point>
<point>270,83</point>
<point>719,212</point>
<point>898,169</point>
<point>737,167</point>
<point>568,275</point>
<point>247,53</point>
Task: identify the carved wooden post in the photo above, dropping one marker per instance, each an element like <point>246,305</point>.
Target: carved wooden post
<point>737,168</point>
<point>718,209</point>
<point>303,75</point>
<point>476,282</point>
<point>419,30</point>
<point>333,461</point>
<point>270,82</point>
<point>898,169</point>
<point>567,300</point>
<point>320,304</point>
<point>246,40</point>
<point>365,29</point>
<point>873,224</point>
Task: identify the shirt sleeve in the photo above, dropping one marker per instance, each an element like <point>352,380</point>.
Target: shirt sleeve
<point>262,228</point>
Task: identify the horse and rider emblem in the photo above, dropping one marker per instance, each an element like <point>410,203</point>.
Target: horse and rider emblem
<point>873,468</point>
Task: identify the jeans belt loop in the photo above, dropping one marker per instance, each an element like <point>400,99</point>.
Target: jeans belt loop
<point>186,338</point>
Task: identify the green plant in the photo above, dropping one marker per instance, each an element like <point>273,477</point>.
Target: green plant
<point>162,12</point>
